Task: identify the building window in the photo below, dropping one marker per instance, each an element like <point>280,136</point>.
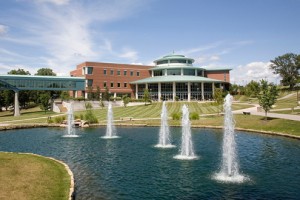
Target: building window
<point>111,84</point>
<point>111,72</point>
<point>89,70</point>
<point>137,73</point>
<point>158,73</point>
<point>225,77</point>
<point>119,85</point>
<point>174,72</point>
<point>125,85</point>
<point>131,73</point>
<point>105,84</point>
<point>89,82</point>
<point>104,71</point>
<point>119,72</point>
<point>189,72</point>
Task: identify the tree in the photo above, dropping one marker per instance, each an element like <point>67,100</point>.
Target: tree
<point>218,97</point>
<point>126,100</point>
<point>45,72</point>
<point>44,101</point>
<point>19,72</point>
<point>146,96</point>
<point>65,95</point>
<point>267,97</point>
<point>106,94</point>
<point>287,66</point>
<point>252,89</point>
<point>97,94</point>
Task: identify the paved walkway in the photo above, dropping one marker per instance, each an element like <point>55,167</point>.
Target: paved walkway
<point>253,111</point>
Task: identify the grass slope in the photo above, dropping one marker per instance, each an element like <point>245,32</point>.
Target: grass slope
<point>24,176</point>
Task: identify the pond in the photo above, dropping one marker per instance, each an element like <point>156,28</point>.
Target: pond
<point>130,167</point>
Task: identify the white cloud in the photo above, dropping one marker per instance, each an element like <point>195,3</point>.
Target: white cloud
<point>56,2</point>
<point>256,71</point>
<point>129,54</point>
<point>66,35</point>
<point>3,29</point>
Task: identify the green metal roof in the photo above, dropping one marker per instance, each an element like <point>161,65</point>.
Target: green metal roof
<point>185,79</point>
<point>173,57</point>
<point>175,67</point>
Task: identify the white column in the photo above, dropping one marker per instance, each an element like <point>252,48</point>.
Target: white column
<point>136,91</point>
<point>174,91</point>
<point>159,92</point>
<point>86,95</point>
<point>189,91</point>
<point>202,90</point>
<point>17,107</point>
<point>146,86</point>
<point>181,72</point>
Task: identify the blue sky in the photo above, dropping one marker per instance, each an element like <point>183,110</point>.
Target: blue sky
<point>241,34</point>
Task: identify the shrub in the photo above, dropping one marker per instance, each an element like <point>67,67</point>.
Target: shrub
<point>90,117</point>
<point>59,119</point>
<point>194,116</point>
<point>176,116</point>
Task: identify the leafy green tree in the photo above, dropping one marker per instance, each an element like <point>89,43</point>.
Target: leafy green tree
<point>252,89</point>
<point>44,101</point>
<point>146,96</point>
<point>106,94</point>
<point>45,72</point>
<point>8,98</point>
<point>287,66</point>
<point>19,72</point>
<point>218,97</point>
<point>268,96</point>
<point>234,89</point>
<point>126,100</point>
<point>65,95</point>
<point>97,93</point>
<point>89,114</point>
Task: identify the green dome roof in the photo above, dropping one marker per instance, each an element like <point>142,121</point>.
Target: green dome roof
<point>174,57</point>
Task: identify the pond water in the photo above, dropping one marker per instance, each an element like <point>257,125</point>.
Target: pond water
<point>130,167</point>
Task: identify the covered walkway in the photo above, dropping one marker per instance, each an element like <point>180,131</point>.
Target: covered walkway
<point>28,82</point>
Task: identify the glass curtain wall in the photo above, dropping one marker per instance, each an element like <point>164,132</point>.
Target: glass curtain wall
<point>182,91</point>
<point>207,91</point>
<point>153,91</point>
<point>196,91</point>
<point>167,91</point>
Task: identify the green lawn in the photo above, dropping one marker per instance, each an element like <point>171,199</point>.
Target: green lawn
<point>27,177</point>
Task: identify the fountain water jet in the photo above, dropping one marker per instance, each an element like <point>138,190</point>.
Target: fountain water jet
<point>186,150</point>
<point>230,168</point>
<point>70,122</point>
<point>111,132</point>
<point>164,131</point>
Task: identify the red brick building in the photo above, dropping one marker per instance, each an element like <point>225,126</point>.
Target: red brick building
<point>173,77</point>
<point>116,77</point>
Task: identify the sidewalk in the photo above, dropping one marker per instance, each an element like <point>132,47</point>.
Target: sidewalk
<point>253,111</point>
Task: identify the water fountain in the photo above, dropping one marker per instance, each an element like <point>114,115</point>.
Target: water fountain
<point>111,132</point>
<point>230,167</point>
<point>186,150</point>
<point>70,122</point>
<point>164,131</point>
